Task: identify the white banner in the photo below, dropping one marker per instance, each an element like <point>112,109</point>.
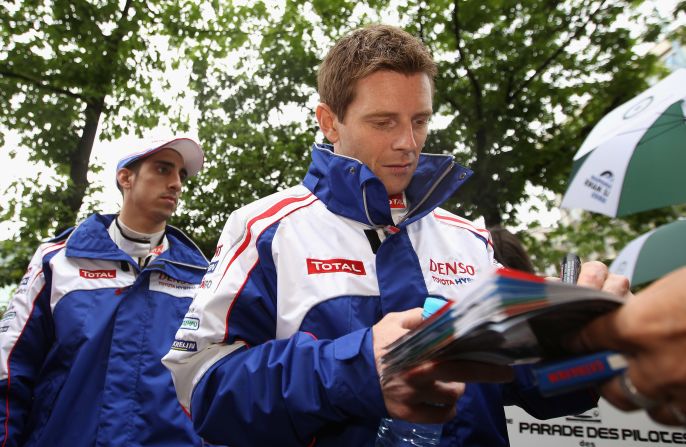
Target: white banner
<point>603,426</point>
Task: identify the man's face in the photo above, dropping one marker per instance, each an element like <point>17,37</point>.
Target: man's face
<point>386,125</point>
<point>155,188</point>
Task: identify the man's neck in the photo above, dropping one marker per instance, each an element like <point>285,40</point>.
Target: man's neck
<point>140,224</point>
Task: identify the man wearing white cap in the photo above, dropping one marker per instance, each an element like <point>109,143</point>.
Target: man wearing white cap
<point>82,339</point>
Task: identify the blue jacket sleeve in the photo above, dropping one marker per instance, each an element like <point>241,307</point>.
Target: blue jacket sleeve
<point>26,334</point>
<point>293,386</point>
<point>243,384</point>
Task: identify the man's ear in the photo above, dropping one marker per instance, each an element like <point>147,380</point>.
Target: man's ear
<point>327,122</point>
<point>125,178</point>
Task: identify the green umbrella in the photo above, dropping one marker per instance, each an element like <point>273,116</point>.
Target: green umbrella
<point>635,157</point>
<point>653,254</point>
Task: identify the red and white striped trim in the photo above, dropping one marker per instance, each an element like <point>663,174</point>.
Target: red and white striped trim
<point>272,212</point>
<point>467,225</point>
<point>54,247</point>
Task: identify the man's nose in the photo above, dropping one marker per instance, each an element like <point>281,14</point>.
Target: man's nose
<point>175,182</point>
<point>406,139</point>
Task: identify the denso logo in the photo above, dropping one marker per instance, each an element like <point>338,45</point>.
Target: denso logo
<point>316,266</point>
<point>167,278</point>
<point>451,268</point>
<point>97,274</point>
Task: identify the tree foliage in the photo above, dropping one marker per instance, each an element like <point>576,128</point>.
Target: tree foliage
<point>520,86</point>
<point>66,66</point>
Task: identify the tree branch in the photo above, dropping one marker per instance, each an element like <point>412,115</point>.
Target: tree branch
<point>420,17</point>
<point>39,83</point>
<point>457,31</point>
<point>480,135</point>
<point>549,60</point>
<point>118,34</point>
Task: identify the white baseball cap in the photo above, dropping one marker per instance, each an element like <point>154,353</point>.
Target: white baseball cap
<point>190,151</point>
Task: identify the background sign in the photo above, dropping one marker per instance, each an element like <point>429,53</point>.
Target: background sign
<point>603,426</point>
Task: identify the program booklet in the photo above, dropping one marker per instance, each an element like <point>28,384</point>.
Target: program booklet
<point>505,317</point>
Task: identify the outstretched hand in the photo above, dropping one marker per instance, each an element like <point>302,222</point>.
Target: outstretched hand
<point>650,329</point>
<point>427,393</point>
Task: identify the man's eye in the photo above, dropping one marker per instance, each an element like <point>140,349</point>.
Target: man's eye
<point>382,124</point>
<point>163,169</point>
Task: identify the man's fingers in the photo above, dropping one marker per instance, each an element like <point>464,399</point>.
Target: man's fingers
<point>391,327</point>
<point>613,392</point>
<point>600,334</point>
<point>617,285</point>
<point>441,393</point>
<point>412,318</point>
<point>669,414</point>
<point>664,412</point>
<point>430,403</point>
<point>425,413</point>
<point>592,274</point>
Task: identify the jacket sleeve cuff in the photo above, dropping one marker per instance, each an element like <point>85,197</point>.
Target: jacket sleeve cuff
<point>357,387</point>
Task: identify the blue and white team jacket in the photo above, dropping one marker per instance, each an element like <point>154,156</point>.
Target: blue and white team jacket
<point>82,339</point>
<point>276,349</point>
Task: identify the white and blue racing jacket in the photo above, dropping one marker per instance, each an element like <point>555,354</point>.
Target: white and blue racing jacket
<point>276,349</point>
<point>82,340</point>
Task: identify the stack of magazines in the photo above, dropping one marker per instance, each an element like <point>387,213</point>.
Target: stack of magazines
<point>505,317</point>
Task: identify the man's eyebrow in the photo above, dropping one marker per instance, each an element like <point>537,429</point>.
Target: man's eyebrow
<point>373,115</point>
<point>165,163</point>
<point>170,165</point>
<point>380,115</point>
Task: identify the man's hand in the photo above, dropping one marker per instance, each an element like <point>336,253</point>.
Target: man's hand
<point>429,392</point>
<point>650,329</point>
<point>595,275</point>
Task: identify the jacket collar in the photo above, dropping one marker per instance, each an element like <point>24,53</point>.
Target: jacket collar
<point>90,239</point>
<point>349,188</point>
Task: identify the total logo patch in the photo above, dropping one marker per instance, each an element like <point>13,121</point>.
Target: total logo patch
<point>190,324</point>
<point>157,250</point>
<point>396,201</point>
<point>97,274</point>
<point>184,345</point>
<point>318,266</point>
